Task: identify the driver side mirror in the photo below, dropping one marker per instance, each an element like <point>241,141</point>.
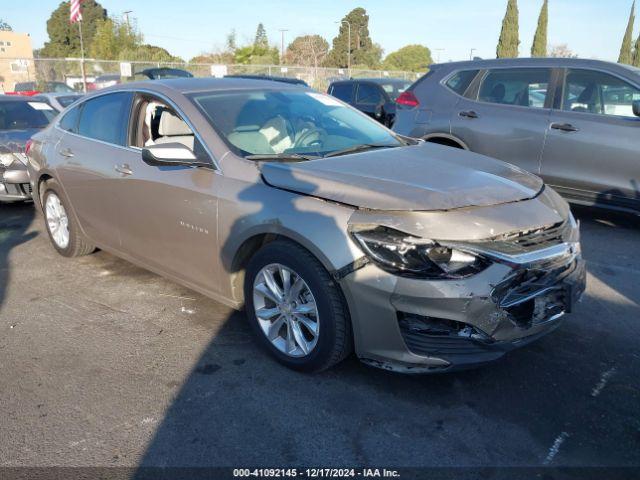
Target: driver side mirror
<point>171,154</point>
<point>636,108</point>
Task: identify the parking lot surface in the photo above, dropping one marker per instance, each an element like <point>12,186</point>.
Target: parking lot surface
<point>104,364</point>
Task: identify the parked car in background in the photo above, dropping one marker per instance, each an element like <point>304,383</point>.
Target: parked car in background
<point>162,73</point>
<point>573,122</point>
<point>20,117</point>
<point>291,80</point>
<point>331,230</point>
<point>32,88</point>
<point>104,81</point>
<point>59,101</point>
<point>374,96</point>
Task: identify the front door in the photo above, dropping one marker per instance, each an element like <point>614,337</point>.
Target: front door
<point>169,214</point>
<point>507,116</point>
<point>592,150</point>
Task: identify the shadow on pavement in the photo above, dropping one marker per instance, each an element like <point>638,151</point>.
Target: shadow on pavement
<point>15,220</point>
<point>238,407</point>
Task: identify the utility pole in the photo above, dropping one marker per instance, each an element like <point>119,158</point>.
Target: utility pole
<point>471,53</point>
<point>282,30</point>
<point>439,50</point>
<point>348,46</point>
<point>126,19</point>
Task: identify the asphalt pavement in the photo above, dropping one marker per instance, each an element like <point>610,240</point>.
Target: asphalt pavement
<point>105,364</point>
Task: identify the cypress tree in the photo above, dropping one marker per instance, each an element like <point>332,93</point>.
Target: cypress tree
<point>625,49</point>
<point>636,53</point>
<point>509,41</point>
<point>539,47</point>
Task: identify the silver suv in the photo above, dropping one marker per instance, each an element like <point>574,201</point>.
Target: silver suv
<point>573,122</point>
<point>332,231</point>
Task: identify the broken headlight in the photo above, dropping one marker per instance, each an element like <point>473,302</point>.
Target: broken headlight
<point>406,255</point>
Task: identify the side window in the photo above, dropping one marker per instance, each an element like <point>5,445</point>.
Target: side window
<point>70,120</point>
<point>460,81</point>
<point>525,87</point>
<point>595,92</point>
<point>368,94</point>
<point>157,123</point>
<point>106,118</point>
<point>343,91</point>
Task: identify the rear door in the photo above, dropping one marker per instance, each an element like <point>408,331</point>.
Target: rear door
<point>506,115</point>
<point>370,99</point>
<point>89,155</point>
<point>593,141</point>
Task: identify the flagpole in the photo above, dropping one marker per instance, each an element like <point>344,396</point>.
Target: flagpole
<point>84,76</point>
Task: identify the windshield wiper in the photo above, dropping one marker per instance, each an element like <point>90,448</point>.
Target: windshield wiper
<point>283,157</point>
<point>359,148</point>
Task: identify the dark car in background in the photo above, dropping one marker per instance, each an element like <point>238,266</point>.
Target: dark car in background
<point>291,80</point>
<point>162,73</point>
<point>573,122</point>
<point>20,118</point>
<point>374,96</point>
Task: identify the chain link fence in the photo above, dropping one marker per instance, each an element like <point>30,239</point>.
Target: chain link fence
<point>40,72</point>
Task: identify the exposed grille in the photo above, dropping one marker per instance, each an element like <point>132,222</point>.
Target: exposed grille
<point>529,240</point>
<point>26,188</point>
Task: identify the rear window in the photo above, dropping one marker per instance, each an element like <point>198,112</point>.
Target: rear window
<point>25,115</point>
<point>460,81</point>
<point>343,91</point>
<point>395,89</point>
<point>67,100</point>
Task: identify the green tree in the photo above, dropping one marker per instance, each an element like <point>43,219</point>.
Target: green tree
<point>626,55</point>
<point>147,53</point>
<point>509,40</point>
<point>539,47</point>
<point>261,40</point>
<point>636,53</point>
<point>253,55</point>
<point>64,39</point>
<point>307,50</point>
<point>113,36</point>
<point>232,44</point>
<point>413,58</point>
<point>363,51</point>
<point>5,26</point>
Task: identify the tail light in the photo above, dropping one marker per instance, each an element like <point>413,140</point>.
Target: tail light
<point>27,146</point>
<point>408,99</point>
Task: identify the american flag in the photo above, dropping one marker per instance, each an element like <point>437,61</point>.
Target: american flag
<point>76,15</point>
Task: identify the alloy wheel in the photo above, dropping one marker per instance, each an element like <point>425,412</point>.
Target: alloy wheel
<point>57,220</point>
<point>286,310</point>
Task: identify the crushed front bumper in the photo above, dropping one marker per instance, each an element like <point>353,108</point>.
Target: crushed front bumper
<point>14,183</point>
<point>414,326</point>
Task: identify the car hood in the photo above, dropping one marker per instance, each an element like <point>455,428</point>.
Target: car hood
<point>14,141</point>
<point>424,177</point>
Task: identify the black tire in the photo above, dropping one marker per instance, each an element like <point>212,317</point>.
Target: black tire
<point>335,338</point>
<point>78,245</point>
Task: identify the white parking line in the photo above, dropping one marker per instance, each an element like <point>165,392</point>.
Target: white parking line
<point>555,448</point>
<point>604,379</point>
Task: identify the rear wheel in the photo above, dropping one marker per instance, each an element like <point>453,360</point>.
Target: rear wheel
<point>64,232</point>
<point>296,309</point>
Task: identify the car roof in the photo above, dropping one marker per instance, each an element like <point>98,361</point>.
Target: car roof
<point>532,62</point>
<point>193,85</point>
<point>384,80</point>
<point>58,94</point>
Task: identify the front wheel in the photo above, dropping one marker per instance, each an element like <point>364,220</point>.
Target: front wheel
<point>296,309</point>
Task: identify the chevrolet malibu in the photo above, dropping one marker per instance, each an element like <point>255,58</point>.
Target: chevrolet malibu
<point>331,231</point>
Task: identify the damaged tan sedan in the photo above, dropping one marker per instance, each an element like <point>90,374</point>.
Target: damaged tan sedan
<point>334,233</point>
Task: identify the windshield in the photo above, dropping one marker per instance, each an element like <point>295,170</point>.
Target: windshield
<point>395,89</point>
<point>289,122</point>
<point>25,115</point>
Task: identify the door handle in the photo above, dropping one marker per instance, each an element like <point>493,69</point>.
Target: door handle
<point>66,152</point>
<point>124,169</point>
<point>469,114</point>
<point>565,127</point>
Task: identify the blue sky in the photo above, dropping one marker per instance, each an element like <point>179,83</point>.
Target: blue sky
<point>591,28</point>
